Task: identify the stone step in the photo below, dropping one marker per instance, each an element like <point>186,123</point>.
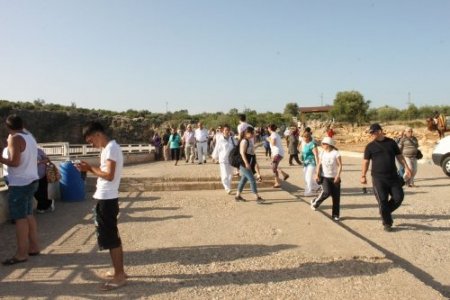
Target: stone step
<point>153,184</point>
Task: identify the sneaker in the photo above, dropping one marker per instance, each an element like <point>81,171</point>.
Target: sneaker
<point>313,204</point>
<point>40,211</point>
<point>335,218</point>
<point>52,207</point>
<point>228,192</point>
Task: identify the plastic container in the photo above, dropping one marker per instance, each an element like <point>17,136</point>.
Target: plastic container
<point>71,184</point>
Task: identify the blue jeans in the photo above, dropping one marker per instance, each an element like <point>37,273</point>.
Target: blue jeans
<point>20,200</point>
<point>247,175</point>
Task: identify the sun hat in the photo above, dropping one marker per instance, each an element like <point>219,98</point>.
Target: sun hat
<point>329,141</point>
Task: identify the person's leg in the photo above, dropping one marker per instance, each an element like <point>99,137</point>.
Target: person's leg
<point>33,243</point>
<point>307,178</point>
<point>223,177</point>
<point>229,175</point>
<point>205,152</point>
<point>41,195</point>
<point>274,166</point>
<point>413,170</point>
<point>324,194</point>
<point>397,196</point>
<point>117,262</point>
<point>336,197</point>
<point>381,191</point>
<point>242,181</point>
<point>200,153</point>
<point>177,155</point>
<point>291,156</point>
<point>297,160</point>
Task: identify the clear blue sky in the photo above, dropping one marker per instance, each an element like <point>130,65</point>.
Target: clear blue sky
<point>216,55</point>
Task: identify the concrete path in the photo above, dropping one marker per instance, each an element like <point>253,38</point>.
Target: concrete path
<point>201,244</point>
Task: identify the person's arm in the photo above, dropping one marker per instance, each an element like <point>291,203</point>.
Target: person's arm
<point>337,179</point>
<point>108,174</point>
<point>16,145</point>
<point>364,169</point>
<point>402,161</point>
<point>319,163</point>
<point>316,153</point>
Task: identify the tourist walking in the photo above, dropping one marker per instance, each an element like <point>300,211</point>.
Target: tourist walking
<point>387,184</point>
<point>293,145</point>
<point>224,144</point>
<point>165,139</point>
<point>409,146</point>
<point>43,203</point>
<point>277,155</point>
<point>201,138</point>
<point>266,144</point>
<point>247,167</point>
<point>188,142</point>
<point>174,144</point>
<point>157,143</point>
<point>107,195</point>
<point>20,160</point>
<point>328,173</point>
<point>310,159</point>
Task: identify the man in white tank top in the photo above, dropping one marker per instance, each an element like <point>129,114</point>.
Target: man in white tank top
<point>20,160</point>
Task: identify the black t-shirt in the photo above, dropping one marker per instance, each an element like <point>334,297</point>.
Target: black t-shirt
<point>382,153</point>
<point>165,138</point>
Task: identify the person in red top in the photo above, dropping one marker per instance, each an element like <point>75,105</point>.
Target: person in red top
<point>330,132</point>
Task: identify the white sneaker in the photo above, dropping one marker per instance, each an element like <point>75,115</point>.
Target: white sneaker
<point>40,211</point>
<point>336,218</point>
<point>313,202</point>
<point>52,207</point>
<point>228,192</point>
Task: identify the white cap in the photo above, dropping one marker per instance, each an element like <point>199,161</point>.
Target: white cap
<point>328,140</point>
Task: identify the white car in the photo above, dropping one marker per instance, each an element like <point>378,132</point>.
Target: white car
<point>441,155</point>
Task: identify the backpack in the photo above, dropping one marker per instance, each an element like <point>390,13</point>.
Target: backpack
<point>52,172</point>
<point>235,157</point>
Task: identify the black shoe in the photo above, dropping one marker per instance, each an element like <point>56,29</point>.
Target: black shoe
<point>388,228</point>
<point>239,198</point>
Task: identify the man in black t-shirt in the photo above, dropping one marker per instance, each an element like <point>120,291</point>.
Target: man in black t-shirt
<point>383,151</point>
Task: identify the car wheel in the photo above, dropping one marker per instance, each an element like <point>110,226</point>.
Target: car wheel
<point>446,166</point>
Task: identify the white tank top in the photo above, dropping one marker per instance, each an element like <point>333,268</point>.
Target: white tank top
<point>26,172</point>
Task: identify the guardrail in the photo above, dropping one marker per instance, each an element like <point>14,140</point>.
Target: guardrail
<point>63,151</point>
<point>66,150</point>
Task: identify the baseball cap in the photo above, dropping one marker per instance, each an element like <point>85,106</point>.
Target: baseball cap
<point>375,127</point>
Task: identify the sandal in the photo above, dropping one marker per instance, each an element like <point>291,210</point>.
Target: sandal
<point>286,177</point>
<point>110,275</point>
<point>13,261</point>
<point>259,179</point>
<point>109,286</point>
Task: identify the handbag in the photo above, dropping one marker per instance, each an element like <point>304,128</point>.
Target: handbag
<point>419,154</point>
<point>52,173</point>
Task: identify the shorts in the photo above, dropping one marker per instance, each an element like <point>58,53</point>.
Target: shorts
<point>105,216</point>
<point>20,200</point>
<point>275,162</point>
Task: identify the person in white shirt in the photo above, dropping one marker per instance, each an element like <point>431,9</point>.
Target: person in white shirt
<point>243,125</point>
<point>189,143</point>
<point>201,138</point>
<point>329,169</point>
<point>20,160</point>
<point>107,195</point>
<point>224,144</point>
<point>277,155</point>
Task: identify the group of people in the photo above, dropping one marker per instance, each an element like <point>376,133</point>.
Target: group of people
<point>322,173</point>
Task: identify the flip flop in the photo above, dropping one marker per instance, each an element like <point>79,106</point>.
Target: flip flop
<point>13,261</point>
<point>109,286</point>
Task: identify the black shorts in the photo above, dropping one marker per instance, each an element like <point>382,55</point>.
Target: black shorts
<point>105,216</point>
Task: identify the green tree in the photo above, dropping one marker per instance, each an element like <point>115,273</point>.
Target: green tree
<point>350,106</point>
<point>388,113</point>
<point>291,110</point>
